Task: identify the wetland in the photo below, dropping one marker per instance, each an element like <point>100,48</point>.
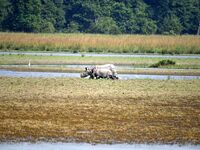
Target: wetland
<point>43,102</point>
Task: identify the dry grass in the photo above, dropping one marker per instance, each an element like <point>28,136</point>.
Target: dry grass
<point>100,111</point>
<point>101,43</point>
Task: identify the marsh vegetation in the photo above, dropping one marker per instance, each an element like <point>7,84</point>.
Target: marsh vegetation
<point>186,63</point>
<point>124,111</point>
<point>165,62</point>
<point>76,64</point>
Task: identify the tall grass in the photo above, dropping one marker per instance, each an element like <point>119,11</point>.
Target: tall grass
<point>101,43</point>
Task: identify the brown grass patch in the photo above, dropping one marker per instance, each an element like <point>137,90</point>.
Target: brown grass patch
<point>100,111</point>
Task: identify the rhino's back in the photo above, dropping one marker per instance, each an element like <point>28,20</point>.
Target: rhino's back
<point>109,66</point>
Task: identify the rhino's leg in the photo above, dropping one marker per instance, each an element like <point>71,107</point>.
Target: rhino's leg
<point>112,77</point>
<point>115,77</point>
<point>94,73</point>
<point>91,77</point>
<point>98,77</point>
<point>114,73</point>
<point>97,74</point>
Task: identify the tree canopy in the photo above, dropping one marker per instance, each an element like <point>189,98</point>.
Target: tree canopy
<point>101,16</point>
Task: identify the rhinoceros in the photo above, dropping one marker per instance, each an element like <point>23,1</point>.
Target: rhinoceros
<point>88,72</point>
<point>100,71</point>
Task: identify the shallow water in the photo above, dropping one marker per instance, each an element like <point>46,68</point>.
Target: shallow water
<point>100,55</point>
<point>37,74</point>
<point>77,75</point>
<point>83,146</point>
<point>82,66</point>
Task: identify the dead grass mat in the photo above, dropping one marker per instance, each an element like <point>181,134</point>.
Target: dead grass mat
<point>100,111</point>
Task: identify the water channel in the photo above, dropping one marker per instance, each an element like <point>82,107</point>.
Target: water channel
<point>99,55</point>
<point>84,146</point>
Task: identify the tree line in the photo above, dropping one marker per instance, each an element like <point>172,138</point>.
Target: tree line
<point>101,16</point>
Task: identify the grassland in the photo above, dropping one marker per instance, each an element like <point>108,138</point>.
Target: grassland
<point>100,111</point>
<point>100,43</point>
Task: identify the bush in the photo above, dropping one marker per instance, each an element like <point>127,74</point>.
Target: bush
<point>163,63</point>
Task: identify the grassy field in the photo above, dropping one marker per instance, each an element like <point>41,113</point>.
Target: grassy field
<point>136,62</point>
<point>100,43</point>
<point>100,111</point>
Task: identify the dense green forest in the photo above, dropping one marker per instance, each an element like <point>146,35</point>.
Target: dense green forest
<point>101,16</point>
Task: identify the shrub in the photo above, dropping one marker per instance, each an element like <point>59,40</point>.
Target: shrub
<point>163,63</point>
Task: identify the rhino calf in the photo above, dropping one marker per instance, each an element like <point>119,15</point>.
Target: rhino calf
<point>103,73</point>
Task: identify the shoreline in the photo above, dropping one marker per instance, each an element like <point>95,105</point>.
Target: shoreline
<point>71,141</point>
<point>144,71</point>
